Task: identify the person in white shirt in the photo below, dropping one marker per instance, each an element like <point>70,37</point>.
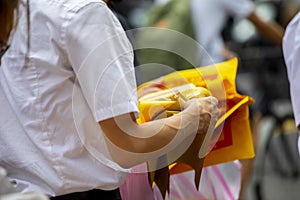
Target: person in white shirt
<point>68,98</point>
<point>291,52</point>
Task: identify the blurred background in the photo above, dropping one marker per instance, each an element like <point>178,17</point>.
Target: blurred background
<point>262,75</point>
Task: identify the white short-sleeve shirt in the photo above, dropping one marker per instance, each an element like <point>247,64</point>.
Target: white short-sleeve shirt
<point>80,71</point>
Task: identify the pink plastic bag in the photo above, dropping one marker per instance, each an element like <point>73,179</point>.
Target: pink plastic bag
<point>221,181</point>
<point>136,185</point>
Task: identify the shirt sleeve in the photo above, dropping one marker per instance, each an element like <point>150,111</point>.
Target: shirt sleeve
<point>102,58</point>
<point>291,51</point>
<point>238,8</point>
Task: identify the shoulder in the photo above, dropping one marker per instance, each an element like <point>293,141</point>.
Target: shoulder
<point>62,10</point>
<point>72,6</point>
<point>76,6</point>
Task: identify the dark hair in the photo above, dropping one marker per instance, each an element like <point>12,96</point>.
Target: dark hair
<point>7,16</point>
<point>111,4</point>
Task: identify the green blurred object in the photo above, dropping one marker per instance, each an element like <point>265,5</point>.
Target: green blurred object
<point>176,16</point>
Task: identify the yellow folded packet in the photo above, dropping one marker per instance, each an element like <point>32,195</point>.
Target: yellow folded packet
<point>235,140</point>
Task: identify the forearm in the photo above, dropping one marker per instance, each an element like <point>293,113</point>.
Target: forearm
<point>274,32</point>
<point>131,143</point>
<point>269,29</point>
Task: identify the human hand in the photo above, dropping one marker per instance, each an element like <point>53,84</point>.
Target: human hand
<point>205,110</point>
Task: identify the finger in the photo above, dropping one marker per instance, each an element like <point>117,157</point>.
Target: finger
<point>204,123</point>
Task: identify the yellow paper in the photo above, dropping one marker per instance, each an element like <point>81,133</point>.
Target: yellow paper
<point>233,129</point>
